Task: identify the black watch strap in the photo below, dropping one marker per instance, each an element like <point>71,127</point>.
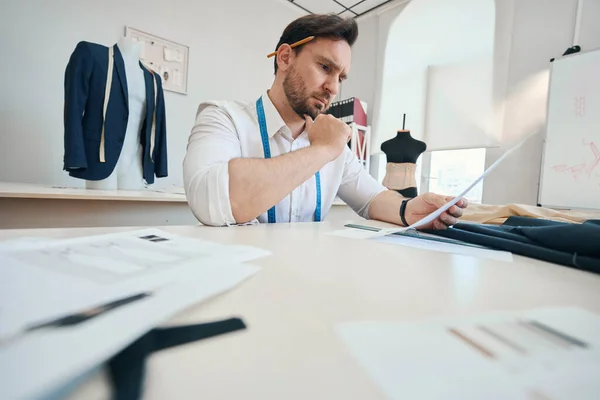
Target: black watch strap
<point>403,211</point>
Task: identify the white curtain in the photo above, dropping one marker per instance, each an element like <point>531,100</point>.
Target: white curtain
<point>459,107</point>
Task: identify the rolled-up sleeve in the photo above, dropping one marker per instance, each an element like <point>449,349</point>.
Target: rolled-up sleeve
<point>212,143</point>
<point>358,187</point>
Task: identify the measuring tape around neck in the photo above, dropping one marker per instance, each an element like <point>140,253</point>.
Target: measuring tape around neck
<point>262,122</point>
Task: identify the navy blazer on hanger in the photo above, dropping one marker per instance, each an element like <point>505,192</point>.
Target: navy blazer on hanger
<point>85,84</point>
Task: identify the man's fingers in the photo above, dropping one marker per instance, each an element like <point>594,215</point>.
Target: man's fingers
<point>439,225</point>
<point>448,219</point>
<point>455,211</point>
<point>462,203</point>
<point>308,122</point>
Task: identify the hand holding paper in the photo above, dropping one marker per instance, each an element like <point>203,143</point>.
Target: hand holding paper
<point>428,220</point>
<point>427,204</point>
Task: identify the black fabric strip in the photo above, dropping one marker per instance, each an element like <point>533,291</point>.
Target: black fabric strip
<point>572,245</point>
<point>127,368</point>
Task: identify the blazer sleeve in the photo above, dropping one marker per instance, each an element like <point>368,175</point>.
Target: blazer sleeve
<point>77,84</point>
<point>161,163</point>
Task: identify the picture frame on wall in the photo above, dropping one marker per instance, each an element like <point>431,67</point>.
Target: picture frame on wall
<point>166,57</point>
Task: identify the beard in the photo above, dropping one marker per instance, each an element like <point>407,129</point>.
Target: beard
<point>296,93</point>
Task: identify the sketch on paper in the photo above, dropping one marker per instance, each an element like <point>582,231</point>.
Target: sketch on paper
<point>165,57</point>
<point>586,169</point>
<point>579,103</point>
<point>112,260</point>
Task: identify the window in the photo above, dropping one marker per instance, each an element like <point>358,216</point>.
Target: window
<point>452,171</point>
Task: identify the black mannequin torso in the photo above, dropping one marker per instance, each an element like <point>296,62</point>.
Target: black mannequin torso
<point>403,148</point>
<point>402,153</point>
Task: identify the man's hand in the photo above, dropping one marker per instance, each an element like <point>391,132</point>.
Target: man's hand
<point>328,132</point>
<point>425,204</point>
<point>386,207</point>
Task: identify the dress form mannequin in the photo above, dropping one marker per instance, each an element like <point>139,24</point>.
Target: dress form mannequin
<point>128,173</point>
<point>402,153</point>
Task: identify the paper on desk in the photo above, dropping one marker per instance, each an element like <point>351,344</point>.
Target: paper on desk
<point>446,247</point>
<point>46,280</point>
<point>434,215</point>
<point>421,243</point>
<point>24,242</point>
<point>505,358</point>
<point>45,361</point>
<point>352,233</point>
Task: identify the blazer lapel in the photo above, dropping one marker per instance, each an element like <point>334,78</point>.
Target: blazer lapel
<point>149,80</point>
<point>120,67</point>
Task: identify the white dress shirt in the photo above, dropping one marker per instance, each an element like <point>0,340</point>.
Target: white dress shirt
<point>230,129</point>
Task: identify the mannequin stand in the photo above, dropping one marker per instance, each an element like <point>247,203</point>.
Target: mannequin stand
<point>128,173</point>
<point>402,153</point>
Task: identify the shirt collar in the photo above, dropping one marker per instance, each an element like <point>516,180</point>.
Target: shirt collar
<point>274,121</point>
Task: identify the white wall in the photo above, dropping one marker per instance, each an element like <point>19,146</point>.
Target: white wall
<point>589,33</point>
<point>429,32</point>
<point>541,30</point>
<point>228,41</point>
<point>368,55</point>
<point>361,79</point>
<point>528,33</point>
<point>395,47</point>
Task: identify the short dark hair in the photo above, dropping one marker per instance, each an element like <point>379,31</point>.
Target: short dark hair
<point>330,26</point>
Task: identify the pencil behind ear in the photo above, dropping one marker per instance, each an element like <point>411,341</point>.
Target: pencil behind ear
<point>284,54</point>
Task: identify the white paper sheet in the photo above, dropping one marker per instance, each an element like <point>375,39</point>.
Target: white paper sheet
<point>46,280</point>
<point>425,360</point>
<point>24,242</point>
<point>354,233</point>
<point>172,54</point>
<point>43,362</point>
<point>446,247</point>
<point>434,215</point>
<point>177,78</point>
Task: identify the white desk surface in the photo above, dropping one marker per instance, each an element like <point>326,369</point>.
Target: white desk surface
<point>313,281</point>
<point>35,191</point>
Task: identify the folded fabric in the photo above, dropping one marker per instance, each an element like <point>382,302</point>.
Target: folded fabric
<point>572,245</point>
<point>497,214</point>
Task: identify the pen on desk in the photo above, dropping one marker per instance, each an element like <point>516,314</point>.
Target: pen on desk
<point>74,319</point>
<point>88,313</point>
<point>363,227</point>
<point>556,333</point>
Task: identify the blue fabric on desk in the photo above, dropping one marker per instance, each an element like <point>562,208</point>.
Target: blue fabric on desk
<point>571,245</point>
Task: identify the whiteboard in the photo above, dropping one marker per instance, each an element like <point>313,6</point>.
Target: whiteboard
<point>570,173</point>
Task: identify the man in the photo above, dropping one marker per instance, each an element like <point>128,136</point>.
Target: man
<point>282,159</point>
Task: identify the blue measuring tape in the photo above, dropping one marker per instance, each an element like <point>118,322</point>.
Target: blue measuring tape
<point>260,110</point>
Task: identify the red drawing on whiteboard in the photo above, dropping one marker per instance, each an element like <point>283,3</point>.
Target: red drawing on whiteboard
<point>580,106</point>
<point>586,169</point>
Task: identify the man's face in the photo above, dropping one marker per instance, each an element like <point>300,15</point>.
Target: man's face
<point>313,75</point>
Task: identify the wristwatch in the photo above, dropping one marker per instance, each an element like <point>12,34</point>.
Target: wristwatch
<point>403,211</point>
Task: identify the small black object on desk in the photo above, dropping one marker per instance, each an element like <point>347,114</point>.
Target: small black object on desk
<point>127,368</point>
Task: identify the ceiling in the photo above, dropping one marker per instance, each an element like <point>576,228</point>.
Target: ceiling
<point>344,8</point>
